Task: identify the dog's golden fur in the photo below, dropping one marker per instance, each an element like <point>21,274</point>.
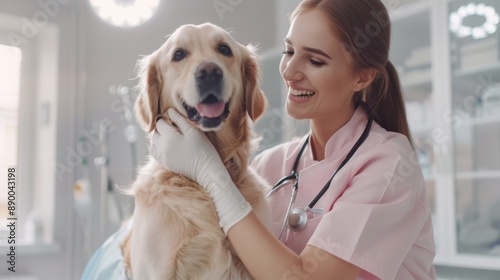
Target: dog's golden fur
<point>175,232</point>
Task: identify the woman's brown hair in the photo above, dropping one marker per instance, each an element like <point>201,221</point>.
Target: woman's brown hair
<point>364,27</point>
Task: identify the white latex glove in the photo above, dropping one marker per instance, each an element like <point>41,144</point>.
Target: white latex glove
<point>191,154</point>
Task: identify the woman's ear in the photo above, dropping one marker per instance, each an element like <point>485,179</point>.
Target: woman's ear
<point>365,78</point>
<point>255,100</point>
<point>150,87</point>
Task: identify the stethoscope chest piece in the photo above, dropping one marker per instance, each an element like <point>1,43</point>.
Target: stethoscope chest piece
<point>297,219</point>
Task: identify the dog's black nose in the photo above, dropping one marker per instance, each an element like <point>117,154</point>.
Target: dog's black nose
<point>208,74</point>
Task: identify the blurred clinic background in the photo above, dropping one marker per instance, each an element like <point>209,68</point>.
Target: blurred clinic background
<point>66,126</point>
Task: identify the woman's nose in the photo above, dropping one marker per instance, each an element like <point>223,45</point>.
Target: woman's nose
<point>290,69</point>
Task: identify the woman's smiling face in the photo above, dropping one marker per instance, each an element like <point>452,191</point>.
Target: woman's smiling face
<point>317,69</point>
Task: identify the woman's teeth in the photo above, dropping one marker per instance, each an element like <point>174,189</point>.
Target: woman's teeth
<point>301,93</point>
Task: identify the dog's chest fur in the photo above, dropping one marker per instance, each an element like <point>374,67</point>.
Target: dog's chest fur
<point>176,228</point>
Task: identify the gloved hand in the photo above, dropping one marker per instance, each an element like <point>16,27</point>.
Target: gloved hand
<point>191,154</point>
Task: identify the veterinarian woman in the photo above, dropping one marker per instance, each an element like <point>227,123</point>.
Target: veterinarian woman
<point>371,220</point>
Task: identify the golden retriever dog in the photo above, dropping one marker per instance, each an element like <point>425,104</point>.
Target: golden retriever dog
<point>213,81</point>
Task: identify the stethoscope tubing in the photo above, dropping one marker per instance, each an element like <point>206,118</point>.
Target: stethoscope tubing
<point>290,205</point>
<point>360,141</point>
<point>295,175</point>
<point>281,182</point>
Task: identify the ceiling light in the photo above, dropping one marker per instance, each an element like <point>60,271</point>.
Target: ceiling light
<point>488,27</point>
<point>127,13</point>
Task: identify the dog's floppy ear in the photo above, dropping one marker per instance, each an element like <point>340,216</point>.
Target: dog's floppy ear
<point>255,100</point>
<point>150,86</point>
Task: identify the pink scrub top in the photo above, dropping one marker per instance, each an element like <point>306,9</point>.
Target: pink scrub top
<point>374,215</point>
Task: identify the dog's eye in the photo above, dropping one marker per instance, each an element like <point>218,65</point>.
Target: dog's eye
<point>225,50</point>
<point>179,55</point>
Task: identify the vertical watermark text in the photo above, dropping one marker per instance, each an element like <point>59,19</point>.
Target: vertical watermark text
<point>11,218</point>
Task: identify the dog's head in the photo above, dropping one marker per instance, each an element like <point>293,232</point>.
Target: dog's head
<point>203,73</point>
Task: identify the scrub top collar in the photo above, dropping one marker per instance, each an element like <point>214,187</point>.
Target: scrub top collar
<point>337,146</point>
<point>342,140</point>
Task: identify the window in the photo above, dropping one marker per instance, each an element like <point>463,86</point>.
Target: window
<point>28,125</point>
<point>10,78</point>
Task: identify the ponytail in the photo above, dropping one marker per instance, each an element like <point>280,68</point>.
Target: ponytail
<point>385,103</point>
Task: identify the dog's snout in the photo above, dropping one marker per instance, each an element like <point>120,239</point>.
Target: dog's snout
<point>208,73</point>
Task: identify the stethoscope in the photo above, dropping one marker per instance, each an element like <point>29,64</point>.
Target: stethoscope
<point>296,219</point>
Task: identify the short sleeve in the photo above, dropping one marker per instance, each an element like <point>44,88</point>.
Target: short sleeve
<point>259,163</point>
<point>374,223</point>
<point>256,161</point>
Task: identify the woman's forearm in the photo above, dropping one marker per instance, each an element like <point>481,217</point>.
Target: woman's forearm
<point>263,255</point>
<point>267,258</point>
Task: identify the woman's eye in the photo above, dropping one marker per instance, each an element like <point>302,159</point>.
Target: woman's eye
<point>286,52</point>
<point>316,62</point>
<point>179,55</point>
<point>225,50</point>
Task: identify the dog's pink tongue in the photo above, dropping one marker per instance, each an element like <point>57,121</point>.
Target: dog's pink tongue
<point>211,110</point>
